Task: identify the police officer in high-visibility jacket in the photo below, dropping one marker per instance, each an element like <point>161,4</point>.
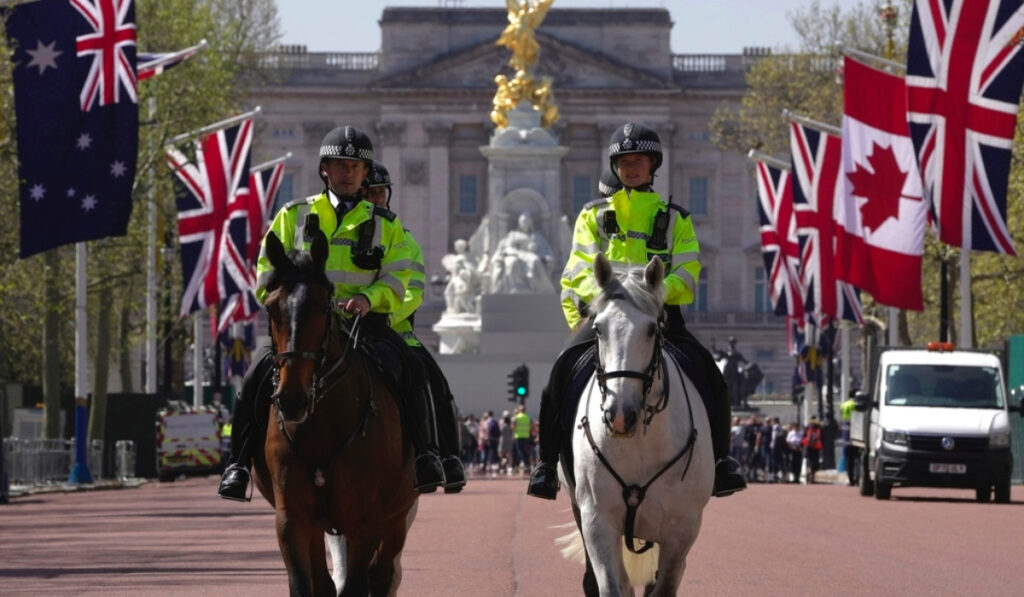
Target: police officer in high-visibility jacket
<point>443,420</point>
<point>370,265</point>
<point>629,227</point>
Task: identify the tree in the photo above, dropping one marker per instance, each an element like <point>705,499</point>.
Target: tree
<point>211,86</point>
<point>807,82</point>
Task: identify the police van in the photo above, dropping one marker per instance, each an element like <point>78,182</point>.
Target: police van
<point>188,441</point>
<point>934,417</point>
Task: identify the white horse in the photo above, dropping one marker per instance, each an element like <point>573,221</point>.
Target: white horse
<point>644,468</point>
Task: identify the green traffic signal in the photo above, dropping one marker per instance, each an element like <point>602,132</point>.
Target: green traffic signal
<point>520,390</point>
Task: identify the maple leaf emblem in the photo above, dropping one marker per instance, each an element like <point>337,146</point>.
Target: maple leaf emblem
<point>881,186</point>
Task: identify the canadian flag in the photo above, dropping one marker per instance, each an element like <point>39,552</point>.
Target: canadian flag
<point>881,216</point>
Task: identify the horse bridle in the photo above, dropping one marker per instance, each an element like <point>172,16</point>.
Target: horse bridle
<point>319,359</point>
<point>654,367</point>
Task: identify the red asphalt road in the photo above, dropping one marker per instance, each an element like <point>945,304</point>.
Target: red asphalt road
<point>172,539</point>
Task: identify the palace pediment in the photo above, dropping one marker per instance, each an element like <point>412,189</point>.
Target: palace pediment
<point>572,66</point>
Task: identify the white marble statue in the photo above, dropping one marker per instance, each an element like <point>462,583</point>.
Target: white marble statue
<point>521,262</point>
<point>462,293</point>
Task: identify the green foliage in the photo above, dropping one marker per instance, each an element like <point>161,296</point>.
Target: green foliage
<point>207,88</point>
<point>807,82</point>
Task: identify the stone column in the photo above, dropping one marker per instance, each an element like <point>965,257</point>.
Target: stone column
<point>387,149</point>
<point>663,183</point>
<point>437,215</point>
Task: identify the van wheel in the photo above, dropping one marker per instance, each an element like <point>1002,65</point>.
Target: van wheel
<point>883,491</point>
<point>983,494</point>
<point>1003,492</point>
<point>866,487</point>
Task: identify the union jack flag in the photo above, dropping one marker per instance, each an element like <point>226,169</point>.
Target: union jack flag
<point>964,74</point>
<point>263,187</point>
<point>817,163</point>
<point>150,64</point>
<point>113,32</point>
<point>213,210</point>
<point>779,244</point>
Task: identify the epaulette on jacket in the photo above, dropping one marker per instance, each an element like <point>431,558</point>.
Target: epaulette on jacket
<point>296,203</point>
<point>387,214</point>
<point>682,210</point>
<point>595,203</point>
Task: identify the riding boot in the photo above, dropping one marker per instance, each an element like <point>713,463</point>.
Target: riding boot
<point>728,473</point>
<point>234,482</point>
<point>446,426</point>
<point>429,471</point>
<point>544,479</point>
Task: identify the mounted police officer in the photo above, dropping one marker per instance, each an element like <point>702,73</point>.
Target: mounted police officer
<point>370,265</point>
<point>630,227</point>
<point>443,424</point>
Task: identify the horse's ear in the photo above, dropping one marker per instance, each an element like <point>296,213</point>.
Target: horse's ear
<point>318,250</point>
<point>602,270</point>
<point>654,273</point>
<point>275,252</point>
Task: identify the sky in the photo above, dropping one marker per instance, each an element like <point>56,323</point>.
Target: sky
<point>701,26</point>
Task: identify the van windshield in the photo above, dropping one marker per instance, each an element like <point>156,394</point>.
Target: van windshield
<point>943,386</point>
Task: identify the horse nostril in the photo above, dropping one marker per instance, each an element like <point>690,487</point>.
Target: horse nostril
<point>631,418</point>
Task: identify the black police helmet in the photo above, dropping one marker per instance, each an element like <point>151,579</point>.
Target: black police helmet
<point>346,143</point>
<point>634,138</point>
<point>609,183</point>
<point>380,177</point>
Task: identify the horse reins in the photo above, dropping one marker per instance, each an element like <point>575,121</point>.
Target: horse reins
<point>633,495</point>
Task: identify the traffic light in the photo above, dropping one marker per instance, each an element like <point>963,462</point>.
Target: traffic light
<point>519,384</point>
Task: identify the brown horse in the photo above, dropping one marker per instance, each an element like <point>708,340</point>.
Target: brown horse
<point>334,458</point>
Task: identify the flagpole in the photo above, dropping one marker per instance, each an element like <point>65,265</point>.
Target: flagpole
<point>814,124</point>
<point>80,470</point>
<point>774,162</point>
<point>151,322</point>
<point>966,300</point>
<point>197,360</point>
<point>855,53</point>
<point>270,163</point>
<point>215,126</point>
<point>202,45</point>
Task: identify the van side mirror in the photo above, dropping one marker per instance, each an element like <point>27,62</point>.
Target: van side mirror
<point>862,401</point>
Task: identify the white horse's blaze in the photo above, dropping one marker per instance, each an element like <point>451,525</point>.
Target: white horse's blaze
<point>671,511</point>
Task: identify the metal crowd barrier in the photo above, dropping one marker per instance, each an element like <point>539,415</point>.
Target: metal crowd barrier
<point>38,461</point>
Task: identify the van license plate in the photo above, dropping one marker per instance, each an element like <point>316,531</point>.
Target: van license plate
<point>942,467</point>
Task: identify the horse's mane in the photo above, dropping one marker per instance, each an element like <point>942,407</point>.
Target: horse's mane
<point>631,283</point>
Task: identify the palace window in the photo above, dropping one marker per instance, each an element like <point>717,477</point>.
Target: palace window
<point>467,194</point>
<point>699,195</point>
<point>582,192</point>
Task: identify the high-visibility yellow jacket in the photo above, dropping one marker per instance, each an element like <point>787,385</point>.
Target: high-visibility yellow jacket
<point>401,320</point>
<point>384,288</point>
<point>634,214</point>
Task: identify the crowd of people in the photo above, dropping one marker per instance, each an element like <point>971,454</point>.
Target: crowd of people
<point>771,452</point>
<point>499,445</point>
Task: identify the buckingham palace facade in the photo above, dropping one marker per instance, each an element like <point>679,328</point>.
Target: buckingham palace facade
<point>425,99</point>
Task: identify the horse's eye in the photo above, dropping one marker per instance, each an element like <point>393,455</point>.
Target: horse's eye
<point>597,330</point>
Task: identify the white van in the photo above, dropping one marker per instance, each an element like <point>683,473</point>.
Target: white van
<point>936,417</point>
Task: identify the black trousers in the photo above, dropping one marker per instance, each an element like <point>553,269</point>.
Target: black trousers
<point>445,411</point>
<point>715,395</point>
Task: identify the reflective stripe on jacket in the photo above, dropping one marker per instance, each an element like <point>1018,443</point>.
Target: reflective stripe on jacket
<point>400,319</point>
<point>634,214</point>
<point>384,288</point>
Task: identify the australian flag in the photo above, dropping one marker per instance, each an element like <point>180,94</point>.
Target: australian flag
<point>77,115</point>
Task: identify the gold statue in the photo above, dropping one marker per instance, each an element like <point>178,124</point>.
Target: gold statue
<point>524,16</point>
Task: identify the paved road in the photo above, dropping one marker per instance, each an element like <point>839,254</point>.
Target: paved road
<point>176,539</point>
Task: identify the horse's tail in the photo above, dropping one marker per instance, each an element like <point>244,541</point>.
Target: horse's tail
<point>641,568</point>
